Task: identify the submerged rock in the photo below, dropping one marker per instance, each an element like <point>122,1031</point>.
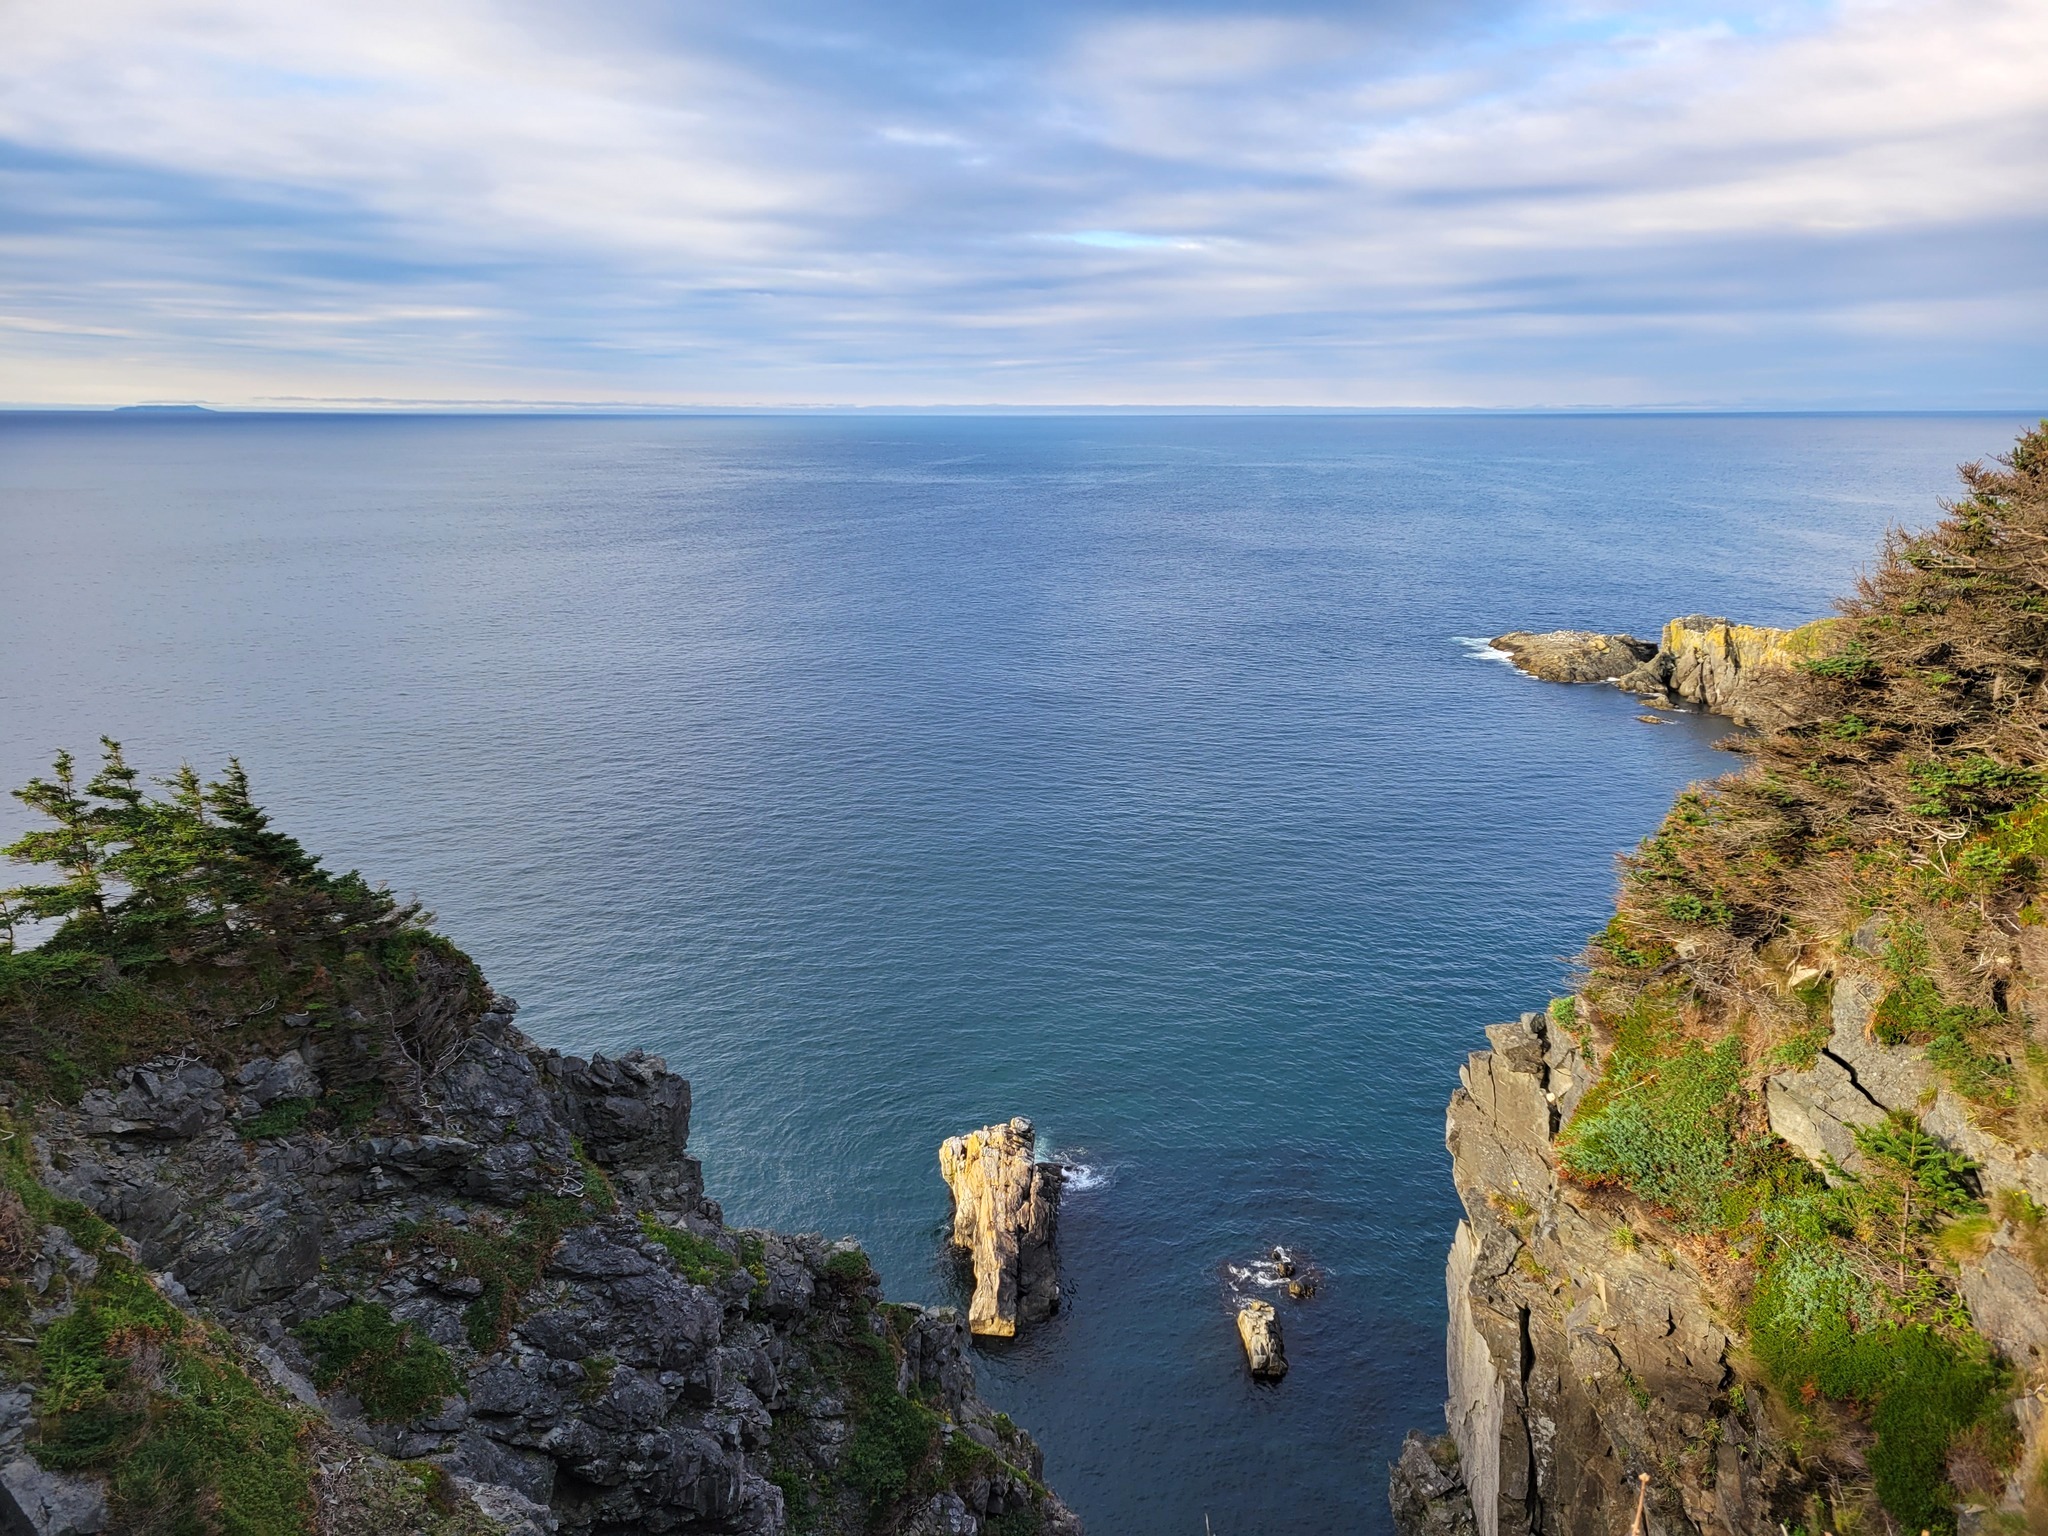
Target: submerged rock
<point>1574,655</point>
<point>1006,1208</point>
<point>1258,1326</point>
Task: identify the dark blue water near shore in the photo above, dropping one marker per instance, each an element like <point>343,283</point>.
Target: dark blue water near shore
<point>894,775</point>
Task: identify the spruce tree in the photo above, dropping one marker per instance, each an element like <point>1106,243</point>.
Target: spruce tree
<point>72,847</point>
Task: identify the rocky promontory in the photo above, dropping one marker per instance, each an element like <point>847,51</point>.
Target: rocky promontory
<point>1725,668</point>
<point>301,1236</point>
<point>1755,1229</point>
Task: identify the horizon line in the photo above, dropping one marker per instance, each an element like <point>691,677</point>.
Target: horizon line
<point>387,406</point>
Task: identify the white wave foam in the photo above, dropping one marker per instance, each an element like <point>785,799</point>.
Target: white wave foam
<point>1081,1177</point>
<point>1483,650</point>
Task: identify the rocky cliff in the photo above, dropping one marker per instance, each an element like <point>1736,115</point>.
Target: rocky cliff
<point>1756,1220</point>
<point>1729,669</point>
<point>1583,1347</point>
<point>511,1309</point>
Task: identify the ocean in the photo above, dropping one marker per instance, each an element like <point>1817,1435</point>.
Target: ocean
<point>892,775</point>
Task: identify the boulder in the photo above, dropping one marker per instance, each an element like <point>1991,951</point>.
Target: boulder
<point>1005,1217</point>
<point>1258,1326</point>
<point>1574,655</point>
<point>35,1502</point>
<point>1427,1490</point>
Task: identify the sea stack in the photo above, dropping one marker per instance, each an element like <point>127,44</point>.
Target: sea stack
<point>1258,1325</point>
<point>1006,1207</point>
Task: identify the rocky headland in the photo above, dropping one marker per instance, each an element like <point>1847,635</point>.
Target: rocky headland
<point>300,1234</point>
<point>1700,662</point>
<point>1755,1230</point>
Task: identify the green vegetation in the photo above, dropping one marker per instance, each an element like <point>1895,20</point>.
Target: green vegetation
<point>506,1256</point>
<point>129,1387</point>
<point>397,1374</point>
<point>894,1436</point>
<point>279,1119</point>
<point>701,1260</point>
<point>849,1270</point>
<point>180,914</point>
<point>1909,799</point>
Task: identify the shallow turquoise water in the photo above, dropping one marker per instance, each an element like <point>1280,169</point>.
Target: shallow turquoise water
<point>893,775</point>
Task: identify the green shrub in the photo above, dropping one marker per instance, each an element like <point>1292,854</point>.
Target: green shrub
<point>849,1270</point>
<point>1669,1131</point>
<point>894,1437</point>
<point>396,1373</point>
<point>1820,1331</point>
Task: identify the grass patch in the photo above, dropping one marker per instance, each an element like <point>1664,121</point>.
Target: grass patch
<point>128,1387</point>
<point>1665,1123</point>
<point>701,1260</point>
<point>397,1374</point>
<point>285,1117</point>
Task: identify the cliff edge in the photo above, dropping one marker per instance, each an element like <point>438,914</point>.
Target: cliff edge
<point>300,1234</point>
<point>1756,1219</point>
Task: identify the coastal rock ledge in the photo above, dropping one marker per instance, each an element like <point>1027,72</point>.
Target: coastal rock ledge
<point>1006,1207</point>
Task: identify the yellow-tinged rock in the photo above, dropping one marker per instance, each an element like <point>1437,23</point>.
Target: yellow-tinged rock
<point>1258,1326</point>
<point>1005,1219</point>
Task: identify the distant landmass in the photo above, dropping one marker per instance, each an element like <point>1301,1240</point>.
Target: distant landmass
<point>166,410</point>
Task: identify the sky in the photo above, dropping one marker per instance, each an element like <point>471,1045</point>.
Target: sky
<point>292,203</point>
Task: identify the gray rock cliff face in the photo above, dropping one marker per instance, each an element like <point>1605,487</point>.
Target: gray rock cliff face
<point>662,1372</point>
<point>1583,1348</point>
<point>1579,1353</point>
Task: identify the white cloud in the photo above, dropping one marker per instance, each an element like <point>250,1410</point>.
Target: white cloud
<point>279,197</point>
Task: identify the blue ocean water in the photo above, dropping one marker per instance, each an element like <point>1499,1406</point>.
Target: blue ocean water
<point>892,775</point>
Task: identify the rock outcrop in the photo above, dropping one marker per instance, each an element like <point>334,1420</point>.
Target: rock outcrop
<point>1006,1208</point>
<point>1581,1350</point>
<point>614,1358</point>
<point>1427,1489</point>
<point>1737,670</point>
<point>1258,1329</point>
<point>1726,668</point>
<point>1574,655</point>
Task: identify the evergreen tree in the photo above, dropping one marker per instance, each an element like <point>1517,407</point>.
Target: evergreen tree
<point>72,847</point>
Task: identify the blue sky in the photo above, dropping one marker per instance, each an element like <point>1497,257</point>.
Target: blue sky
<point>1377,203</point>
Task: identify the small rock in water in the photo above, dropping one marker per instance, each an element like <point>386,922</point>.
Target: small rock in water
<point>1301,1289</point>
<point>1258,1325</point>
<point>1283,1263</point>
<point>1653,719</point>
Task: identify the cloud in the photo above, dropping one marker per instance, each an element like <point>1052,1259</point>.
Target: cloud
<point>1323,203</point>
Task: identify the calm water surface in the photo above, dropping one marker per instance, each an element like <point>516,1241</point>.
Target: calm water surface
<point>895,775</point>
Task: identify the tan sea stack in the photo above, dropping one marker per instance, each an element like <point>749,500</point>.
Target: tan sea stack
<point>1005,1220</point>
<point>1258,1326</point>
